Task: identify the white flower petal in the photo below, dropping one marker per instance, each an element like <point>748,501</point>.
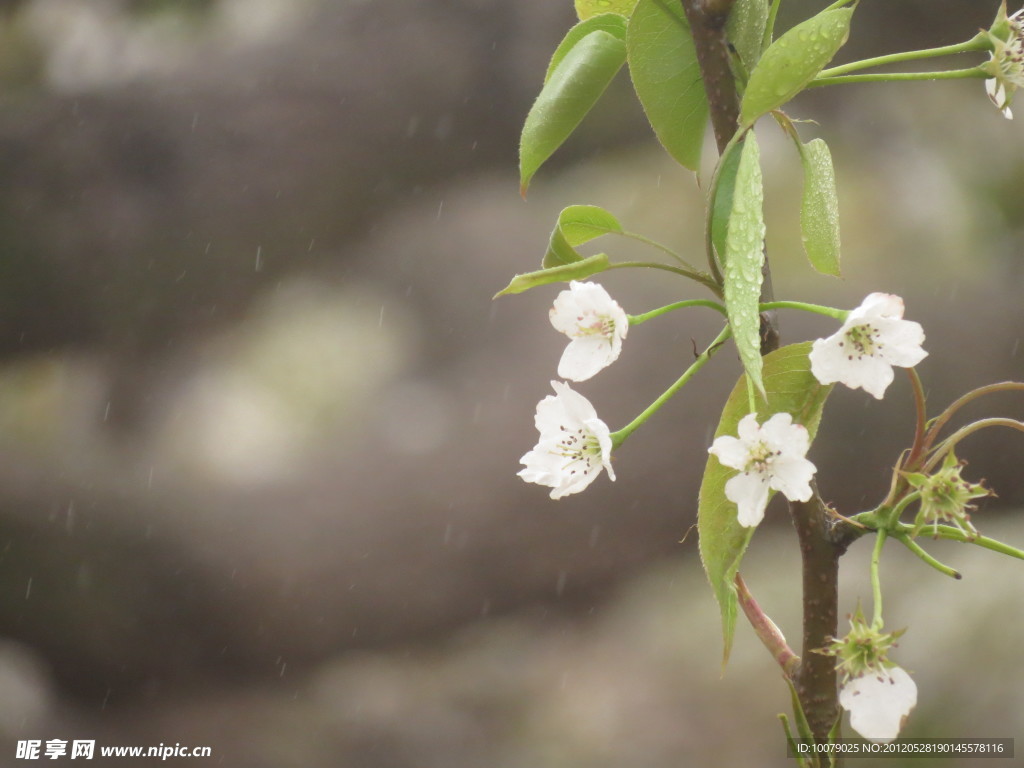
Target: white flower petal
<point>577,408</point>
<point>585,356</point>
<point>903,340</point>
<point>730,451</point>
<point>877,305</point>
<point>574,445</point>
<point>595,325</point>
<point>879,703</point>
<point>873,375</point>
<point>748,429</point>
<point>792,476</point>
<point>749,492</point>
<point>768,457</point>
<point>874,338</point>
<point>604,438</point>
<point>783,435</point>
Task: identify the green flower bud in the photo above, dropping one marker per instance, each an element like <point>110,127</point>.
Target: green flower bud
<point>946,497</point>
<point>863,650</point>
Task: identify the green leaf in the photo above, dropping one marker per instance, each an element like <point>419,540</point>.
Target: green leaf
<point>578,270</point>
<point>586,9</point>
<point>575,85</point>
<point>745,29</point>
<point>792,61</point>
<point>576,225</point>
<point>666,77</point>
<point>744,258</point>
<point>819,211</point>
<point>725,184</point>
<point>612,23</point>
<point>791,388</point>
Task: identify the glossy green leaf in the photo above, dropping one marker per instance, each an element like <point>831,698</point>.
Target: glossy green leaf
<point>725,184</point>
<point>819,210</point>
<point>576,225</point>
<point>586,9</point>
<point>574,87</point>
<point>745,29</point>
<point>744,258</point>
<point>791,388</point>
<point>612,23</point>
<point>578,270</point>
<point>666,77</point>
<point>792,61</point>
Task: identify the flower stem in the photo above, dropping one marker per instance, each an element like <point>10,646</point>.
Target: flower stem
<point>976,43</point>
<point>919,406</point>
<point>940,421</point>
<point>894,77</point>
<point>950,442</point>
<point>891,520</point>
<point>659,246</point>
<point>905,539</point>
<point>699,277</point>
<point>876,581</point>
<point>955,534</point>
<point>769,27</point>
<point>838,314</point>
<point>637,319</point>
<point>618,438</point>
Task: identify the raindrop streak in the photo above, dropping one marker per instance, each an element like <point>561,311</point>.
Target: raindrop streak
<point>380,318</point>
<point>28,588</point>
<point>259,258</point>
<point>440,207</point>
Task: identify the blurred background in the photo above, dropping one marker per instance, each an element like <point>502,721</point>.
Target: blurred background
<point>260,419</point>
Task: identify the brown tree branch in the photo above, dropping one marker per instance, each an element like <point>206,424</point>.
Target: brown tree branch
<point>707,19</point>
<point>823,539</point>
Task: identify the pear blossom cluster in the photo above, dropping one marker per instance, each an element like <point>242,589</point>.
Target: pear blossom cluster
<point>575,445</point>
<point>861,354</point>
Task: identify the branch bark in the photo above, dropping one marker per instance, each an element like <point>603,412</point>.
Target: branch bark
<point>823,540</point>
<point>707,19</point>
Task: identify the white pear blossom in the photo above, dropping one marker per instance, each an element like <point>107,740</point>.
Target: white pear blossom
<point>574,446</point>
<point>879,702</point>
<point>874,338</point>
<point>769,456</point>
<point>596,325</point>
<point>1006,66</point>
